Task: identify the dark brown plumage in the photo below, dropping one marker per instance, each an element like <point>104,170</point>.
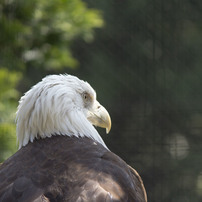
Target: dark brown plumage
<point>68,169</point>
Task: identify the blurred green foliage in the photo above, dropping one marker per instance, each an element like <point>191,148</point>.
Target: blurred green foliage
<point>39,33</point>
<point>8,104</point>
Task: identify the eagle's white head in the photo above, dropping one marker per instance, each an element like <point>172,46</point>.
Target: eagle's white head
<point>60,105</point>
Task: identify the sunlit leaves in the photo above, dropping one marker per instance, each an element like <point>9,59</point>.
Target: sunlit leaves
<point>8,97</point>
<point>39,33</point>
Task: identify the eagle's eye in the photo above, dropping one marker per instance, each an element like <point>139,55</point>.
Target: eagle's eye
<point>86,98</point>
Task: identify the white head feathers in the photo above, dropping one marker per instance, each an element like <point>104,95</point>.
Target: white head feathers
<point>60,105</point>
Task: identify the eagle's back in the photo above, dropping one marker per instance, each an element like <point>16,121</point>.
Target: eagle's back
<point>68,169</point>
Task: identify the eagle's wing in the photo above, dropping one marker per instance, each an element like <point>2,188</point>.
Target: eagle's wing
<point>110,179</point>
<point>23,190</point>
<point>102,186</point>
<point>141,193</point>
<point>16,183</point>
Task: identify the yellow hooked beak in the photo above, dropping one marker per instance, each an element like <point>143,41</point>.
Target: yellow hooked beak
<point>99,116</point>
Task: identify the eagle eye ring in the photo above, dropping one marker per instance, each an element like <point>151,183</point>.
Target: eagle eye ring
<point>86,97</point>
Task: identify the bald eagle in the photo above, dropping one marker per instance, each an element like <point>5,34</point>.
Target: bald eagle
<point>61,156</point>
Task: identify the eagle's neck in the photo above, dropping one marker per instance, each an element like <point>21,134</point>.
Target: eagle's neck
<point>48,123</point>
